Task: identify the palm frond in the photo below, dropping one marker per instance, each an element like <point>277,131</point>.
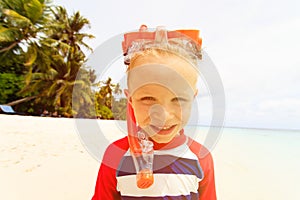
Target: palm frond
<point>31,56</point>
<point>7,34</point>
<point>16,19</point>
<point>34,10</point>
<point>37,76</point>
<point>52,89</point>
<point>28,76</point>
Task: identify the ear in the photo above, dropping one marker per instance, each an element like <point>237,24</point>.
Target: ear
<point>196,93</point>
<point>126,92</point>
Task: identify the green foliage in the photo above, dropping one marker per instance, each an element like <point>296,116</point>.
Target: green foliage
<point>82,101</point>
<point>119,109</point>
<point>46,43</point>
<point>34,10</point>
<point>21,23</point>
<point>103,112</point>
<point>42,63</point>
<point>104,99</point>
<point>10,85</point>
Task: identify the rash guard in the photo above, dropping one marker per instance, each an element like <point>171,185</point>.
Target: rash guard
<point>182,168</point>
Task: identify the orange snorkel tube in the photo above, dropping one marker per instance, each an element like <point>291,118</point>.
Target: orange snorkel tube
<point>141,151</point>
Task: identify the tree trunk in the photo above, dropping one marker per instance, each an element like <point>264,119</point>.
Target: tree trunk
<point>21,101</point>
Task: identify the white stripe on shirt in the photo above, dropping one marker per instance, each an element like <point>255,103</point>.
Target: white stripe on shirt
<point>164,185</point>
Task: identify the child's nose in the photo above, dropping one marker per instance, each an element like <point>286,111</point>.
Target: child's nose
<point>159,114</point>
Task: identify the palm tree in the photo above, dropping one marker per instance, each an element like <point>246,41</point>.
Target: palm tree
<point>107,89</point>
<point>105,103</point>
<point>59,61</point>
<point>21,22</point>
<point>47,43</point>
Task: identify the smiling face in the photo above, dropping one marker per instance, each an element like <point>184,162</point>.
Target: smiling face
<point>159,112</point>
<point>161,94</point>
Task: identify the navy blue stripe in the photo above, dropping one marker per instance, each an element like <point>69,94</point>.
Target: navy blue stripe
<point>172,164</point>
<point>126,167</point>
<point>192,196</point>
<point>165,164</point>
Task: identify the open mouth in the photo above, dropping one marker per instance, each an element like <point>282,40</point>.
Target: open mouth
<point>163,130</point>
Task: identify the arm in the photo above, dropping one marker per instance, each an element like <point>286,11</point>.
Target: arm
<point>106,185</point>
<point>207,189</point>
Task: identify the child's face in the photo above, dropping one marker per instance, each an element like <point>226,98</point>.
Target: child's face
<point>160,110</point>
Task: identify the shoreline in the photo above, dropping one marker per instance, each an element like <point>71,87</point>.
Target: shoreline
<point>45,155</point>
<point>201,125</point>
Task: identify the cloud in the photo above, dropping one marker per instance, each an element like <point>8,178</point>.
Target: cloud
<point>289,107</point>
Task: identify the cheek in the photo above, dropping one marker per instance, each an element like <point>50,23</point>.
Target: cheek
<point>185,112</point>
<point>141,114</point>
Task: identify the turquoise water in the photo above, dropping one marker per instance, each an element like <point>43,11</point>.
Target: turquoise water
<point>282,141</point>
<point>261,164</point>
<point>278,143</point>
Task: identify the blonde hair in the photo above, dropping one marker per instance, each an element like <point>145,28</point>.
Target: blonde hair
<point>159,53</point>
<point>181,47</point>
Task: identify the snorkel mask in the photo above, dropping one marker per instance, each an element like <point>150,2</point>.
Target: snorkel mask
<point>141,148</point>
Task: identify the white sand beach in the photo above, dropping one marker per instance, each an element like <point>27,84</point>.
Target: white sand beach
<point>43,158</point>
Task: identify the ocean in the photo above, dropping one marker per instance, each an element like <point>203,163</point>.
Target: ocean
<point>262,163</point>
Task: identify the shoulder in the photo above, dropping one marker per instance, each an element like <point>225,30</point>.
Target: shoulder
<point>115,151</point>
<point>204,157</point>
<point>118,146</point>
<point>199,150</point>
<point>120,143</point>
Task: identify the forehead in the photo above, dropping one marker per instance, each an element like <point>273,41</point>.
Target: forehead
<point>169,71</point>
<point>160,91</point>
<point>169,59</point>
<point>162,75</point>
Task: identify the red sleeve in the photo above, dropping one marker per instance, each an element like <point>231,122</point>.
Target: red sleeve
<point>106,185</point>
<point>207,189</point>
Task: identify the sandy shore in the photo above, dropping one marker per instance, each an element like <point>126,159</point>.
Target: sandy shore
<point>43,158</point>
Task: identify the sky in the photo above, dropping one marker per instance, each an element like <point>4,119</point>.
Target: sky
<point>253,44</point>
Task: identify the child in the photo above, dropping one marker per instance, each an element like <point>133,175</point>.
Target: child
<point>161,78</point>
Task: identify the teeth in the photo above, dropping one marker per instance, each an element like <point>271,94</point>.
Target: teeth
<point>165,128</point>
<point>162,127</point>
